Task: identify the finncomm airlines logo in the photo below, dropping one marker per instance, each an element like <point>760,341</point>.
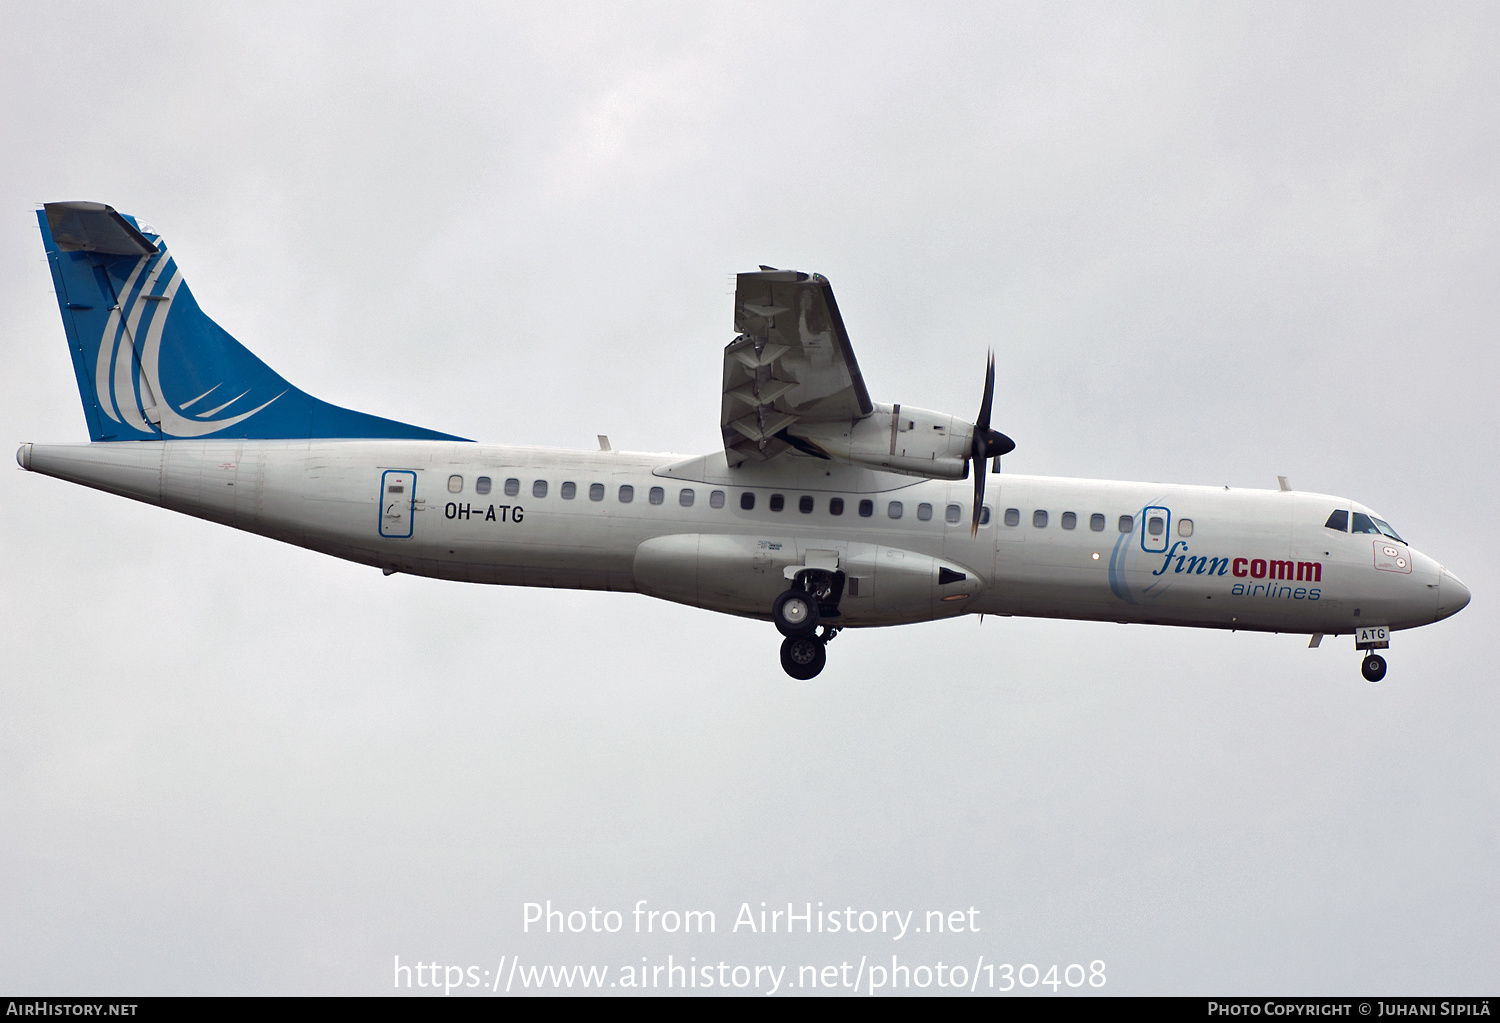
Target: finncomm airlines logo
<point>1180,562</point>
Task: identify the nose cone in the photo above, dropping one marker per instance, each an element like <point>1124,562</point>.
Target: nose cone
<point>1453,595</point>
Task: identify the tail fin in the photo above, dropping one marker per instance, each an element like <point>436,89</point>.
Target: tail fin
<point>151,365</point>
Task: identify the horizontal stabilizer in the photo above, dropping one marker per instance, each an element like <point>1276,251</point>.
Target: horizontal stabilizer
<point>95,227</point>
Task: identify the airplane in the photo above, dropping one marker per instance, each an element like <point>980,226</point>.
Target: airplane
<point>824,511</point>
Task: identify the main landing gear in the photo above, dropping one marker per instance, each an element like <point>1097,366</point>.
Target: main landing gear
<point>803,657</point>
<point>798,614</point>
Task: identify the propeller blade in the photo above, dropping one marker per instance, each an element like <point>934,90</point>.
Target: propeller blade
<point>978,497</point>
<point>987,443</point>
<point>982,424</point>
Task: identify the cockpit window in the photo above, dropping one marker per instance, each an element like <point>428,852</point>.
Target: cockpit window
<point>1385,527</point>
<point>1338,520</point>
<point>1362,524</point>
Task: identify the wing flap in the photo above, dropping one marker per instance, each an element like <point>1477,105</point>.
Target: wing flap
<point>762,424</point>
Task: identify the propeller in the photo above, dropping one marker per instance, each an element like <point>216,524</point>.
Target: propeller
<point>987,443</point>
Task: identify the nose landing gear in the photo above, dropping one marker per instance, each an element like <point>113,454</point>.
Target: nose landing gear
<point>1369,639</point>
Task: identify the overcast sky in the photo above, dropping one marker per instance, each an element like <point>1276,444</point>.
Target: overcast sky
<point>1208,243</point>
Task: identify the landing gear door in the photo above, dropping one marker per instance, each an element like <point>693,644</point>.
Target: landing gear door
<point>1156,528</point>
<point>398,499</point>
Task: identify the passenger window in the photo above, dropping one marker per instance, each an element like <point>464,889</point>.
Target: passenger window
<point>627,493</point>
<point>778,502</point>
<point>1012,516</point>
<point>455,484</point>
<point>866,509</point>
<point>1039,519</point>
<point>596,491</point>
<point>716,499</point>
<point>1069,521</point>
<point>836,506</point>
<point>1184,527</point>
<point>569,491</point>
<point>1096,522</point>
<point>747,500</point>
<point>894,509</point>
<point>805,505</point>
<point>686,498</point>
<point>539,488</point>
<point>954,514</point>
<point>924,512</point>
<point>1156,525</point>
<point>1127,523</point>
<point>1339,520</point>
<point>1362,523</point>
<point>512,487</point>
<point>482,485</point>
<point>657,495</point>
<point>984,515</point>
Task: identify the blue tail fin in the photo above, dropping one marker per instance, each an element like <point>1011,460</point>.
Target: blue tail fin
<point>151,365</point>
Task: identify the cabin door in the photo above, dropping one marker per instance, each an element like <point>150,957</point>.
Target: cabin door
<point>398,500</point>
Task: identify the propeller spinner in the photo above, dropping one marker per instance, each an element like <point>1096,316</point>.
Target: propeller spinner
<point>987,443</point>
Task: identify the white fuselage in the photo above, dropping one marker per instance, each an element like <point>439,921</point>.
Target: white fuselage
<point>1247,559</point>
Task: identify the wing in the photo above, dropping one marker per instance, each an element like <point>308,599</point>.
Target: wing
<point>791,363</point>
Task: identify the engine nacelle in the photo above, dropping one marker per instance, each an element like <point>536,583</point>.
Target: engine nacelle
<point>897,438</point>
